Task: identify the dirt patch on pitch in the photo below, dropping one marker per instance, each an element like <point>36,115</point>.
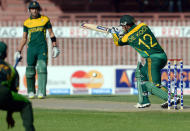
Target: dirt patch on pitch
<point>53,103</point>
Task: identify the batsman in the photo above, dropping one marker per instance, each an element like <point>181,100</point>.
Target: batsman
<point>148,76</point>
<point>34,34</point>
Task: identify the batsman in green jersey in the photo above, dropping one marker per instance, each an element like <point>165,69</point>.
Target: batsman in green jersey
<point>141,38</point>
<point>10,100</point>
<point>37,52</point>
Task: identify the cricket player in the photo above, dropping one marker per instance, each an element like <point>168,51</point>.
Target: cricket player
<point>35,33</point>
<point>10,100</point>
<point>144,42</point>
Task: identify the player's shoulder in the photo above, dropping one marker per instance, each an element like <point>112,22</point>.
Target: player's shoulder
<point>141,25</point>
<point>45,18</point>
<point>5,64</point>
<point>26,22</point>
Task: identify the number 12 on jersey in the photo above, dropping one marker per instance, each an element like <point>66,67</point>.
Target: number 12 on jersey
<point>146,45</point>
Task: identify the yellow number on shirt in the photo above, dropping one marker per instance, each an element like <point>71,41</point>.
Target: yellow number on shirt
<point>142,42</point>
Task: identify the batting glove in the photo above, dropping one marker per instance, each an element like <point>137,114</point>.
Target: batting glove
<point>118,31</point>
<point>56,52</point>
<point>114,30</point>
<point>17,55</point>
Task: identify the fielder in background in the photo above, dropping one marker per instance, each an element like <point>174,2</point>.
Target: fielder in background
<point>148,76</point>
<point>35,32</point>
<point>10,100</point>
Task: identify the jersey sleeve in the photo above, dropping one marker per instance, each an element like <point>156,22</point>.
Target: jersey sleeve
<point>118,41</point>
<point>121,43</point>
<point>48,25</point>
<point>25,29</point>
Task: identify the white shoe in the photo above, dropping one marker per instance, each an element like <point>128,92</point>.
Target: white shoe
<point>31,95</point>
<point>40,96</point>
<point>142,105</point>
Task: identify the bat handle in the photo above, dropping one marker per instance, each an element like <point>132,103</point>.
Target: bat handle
<point>17,61</point>
<point>109,30</point>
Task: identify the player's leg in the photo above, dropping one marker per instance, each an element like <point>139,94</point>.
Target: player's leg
<point>155,90</point>
<point>31,72</point>
<point>144,77</point>
<point>30,78</point>
<point>42,71</point>
<point>42,78</point>
<point>14,102</point>
<point>5,96</point>
<point>143,100</point>
<point>23,105</point>
<point>144,70</point>
<point>155,64</point>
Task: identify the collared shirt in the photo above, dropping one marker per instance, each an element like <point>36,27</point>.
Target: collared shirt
<point>36,29</point>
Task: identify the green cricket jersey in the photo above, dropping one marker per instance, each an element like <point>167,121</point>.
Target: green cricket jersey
<point>141,39</point>
<point>36,29</point>
<point>8,76</point>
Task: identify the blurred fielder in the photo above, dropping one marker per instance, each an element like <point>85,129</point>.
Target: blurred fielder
<point>35,32</point>
<point>144,42</point>
<point>10,100</point>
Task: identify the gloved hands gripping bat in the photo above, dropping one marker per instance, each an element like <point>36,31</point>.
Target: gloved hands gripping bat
<point>118,30</point>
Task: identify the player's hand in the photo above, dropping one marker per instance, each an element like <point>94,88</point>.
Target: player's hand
<point>10,120</point>
<point>56,51</point>
<point>17,55</point>
<point>114,30</point>
<point>117,30</point>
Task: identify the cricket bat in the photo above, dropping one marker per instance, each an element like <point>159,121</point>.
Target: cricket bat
<point>17,61</point>
<point>94,27</point>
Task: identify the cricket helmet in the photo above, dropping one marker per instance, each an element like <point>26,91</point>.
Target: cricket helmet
<point>34,5</point>
<point>3,50</point>
<point>127,20</point>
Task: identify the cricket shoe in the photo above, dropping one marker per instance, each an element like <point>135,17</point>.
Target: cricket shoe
<point>31,95</point>
<point>142,105</point>
<point>40,96</point>
<point>165,105</point>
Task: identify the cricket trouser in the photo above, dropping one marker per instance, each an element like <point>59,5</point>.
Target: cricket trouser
<point>37,56</point>
<point>12,101</point>
<point>151,73</point>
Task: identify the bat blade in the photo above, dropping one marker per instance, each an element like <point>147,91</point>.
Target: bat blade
<point>94,27</point>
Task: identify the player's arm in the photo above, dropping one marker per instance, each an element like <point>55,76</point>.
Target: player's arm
<point>52,36</point>
<point>48,26</point>
<point>23,41</point>
<point>118,41</point>
<point>21,46</point>
<point>53,40</point>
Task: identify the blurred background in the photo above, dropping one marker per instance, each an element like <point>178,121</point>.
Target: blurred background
<point>93,52</point>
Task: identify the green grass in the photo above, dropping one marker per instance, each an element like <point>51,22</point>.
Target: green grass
<point>78,120</point>
<point>116,98</point>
